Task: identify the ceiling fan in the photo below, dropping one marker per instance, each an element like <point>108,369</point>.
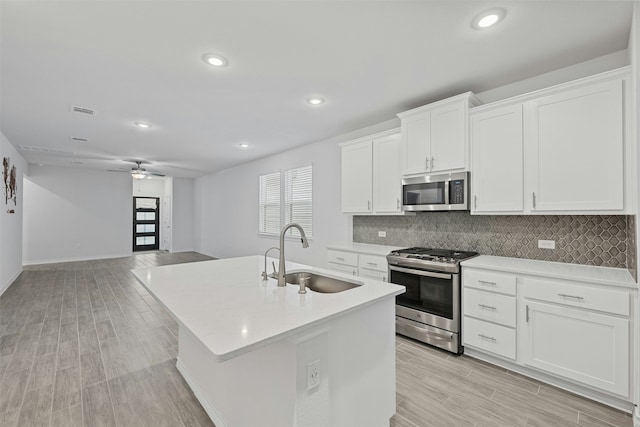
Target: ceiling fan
<point>138,172</point>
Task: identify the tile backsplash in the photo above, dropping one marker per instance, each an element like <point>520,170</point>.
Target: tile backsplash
<point>603,240</point>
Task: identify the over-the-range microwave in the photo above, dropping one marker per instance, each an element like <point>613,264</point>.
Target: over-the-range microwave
<point>446,192</point>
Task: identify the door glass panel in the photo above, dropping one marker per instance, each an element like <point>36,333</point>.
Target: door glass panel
<point>431,193</point>
<point>145,240</point>
<point>145,216</point>
<point>146,203</point>
<point>145,228</point>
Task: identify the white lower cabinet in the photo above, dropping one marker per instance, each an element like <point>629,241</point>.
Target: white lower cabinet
<point>358,264</point>
<point>577,334</point>
<point>591,348</point>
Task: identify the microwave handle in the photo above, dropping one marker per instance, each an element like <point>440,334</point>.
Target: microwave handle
<point>420,272</point>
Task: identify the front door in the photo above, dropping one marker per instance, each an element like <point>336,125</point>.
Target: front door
<point>146,223</point>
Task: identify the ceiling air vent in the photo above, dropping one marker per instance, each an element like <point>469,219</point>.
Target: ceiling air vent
<point>44,150</point>
<point>78,139</point>
<point>82,110</point>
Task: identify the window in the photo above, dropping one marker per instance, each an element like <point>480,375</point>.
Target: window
<point>270,203</point>
<point>294,188</point>
<point>297,199</point>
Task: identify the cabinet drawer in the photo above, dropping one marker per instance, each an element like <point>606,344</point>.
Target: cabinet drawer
<point>489,281</point>
<point>340,257</point>
<point>373,262</point>
<point>600,299</point>
<point>490,306</point>
<point>343,268</point>
<point>373,274</point>
<point>487,336</point>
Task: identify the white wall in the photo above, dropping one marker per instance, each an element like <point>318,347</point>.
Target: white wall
<point>148,187</point>
<point>226,203</point>
<point>583,69</point>
<point>11,223</point>
<point>183,217</point>
<point>76,214</point>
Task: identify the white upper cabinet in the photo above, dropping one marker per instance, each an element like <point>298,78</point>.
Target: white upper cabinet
<point>357,174</point>
<point>560,150</point>
<point>577,148</point>
<point>371,177</point>
<point>497,160</point>
<point>387,175</point>
<point>435,136</point>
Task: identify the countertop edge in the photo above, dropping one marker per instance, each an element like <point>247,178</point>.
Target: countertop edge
<point>363,248</point>
<point>543,268</point>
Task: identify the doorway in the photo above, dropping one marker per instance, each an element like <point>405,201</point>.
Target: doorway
<point>146,223</point>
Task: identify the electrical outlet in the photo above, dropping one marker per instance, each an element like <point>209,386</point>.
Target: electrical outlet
<point>313,375</point>
<point>382,234</point>
<point>546,244</point>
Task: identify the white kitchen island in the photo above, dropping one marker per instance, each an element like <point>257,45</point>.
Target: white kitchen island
<point>248,348</point>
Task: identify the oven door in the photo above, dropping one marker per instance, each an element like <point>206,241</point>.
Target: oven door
<point>431,297</point>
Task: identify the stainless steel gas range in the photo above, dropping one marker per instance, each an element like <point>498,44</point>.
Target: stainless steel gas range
<point>429,311</point>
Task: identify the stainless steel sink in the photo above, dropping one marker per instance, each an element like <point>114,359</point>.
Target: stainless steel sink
<point>319,283</point>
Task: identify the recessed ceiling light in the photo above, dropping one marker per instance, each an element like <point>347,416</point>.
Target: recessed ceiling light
<point>243,145</point>
<point>215,59</point>
<point>143,125</point>
<point>488,18</point>
<point>315,100</point>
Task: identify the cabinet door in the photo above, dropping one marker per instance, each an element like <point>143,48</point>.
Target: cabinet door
<point>387,178</point>
<point>357,177</point>
<point>448,136</point>
<point>497,160</point>
<point>577,149</point>
<point>416,137</point>
<point>579,345</point>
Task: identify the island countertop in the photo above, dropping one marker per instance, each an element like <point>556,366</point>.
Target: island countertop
<point>227,305</point>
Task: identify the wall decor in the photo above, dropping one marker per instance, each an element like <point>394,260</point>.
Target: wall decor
<point>9,175</point>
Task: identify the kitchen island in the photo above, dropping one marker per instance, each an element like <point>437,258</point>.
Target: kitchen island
<point>255,354</point>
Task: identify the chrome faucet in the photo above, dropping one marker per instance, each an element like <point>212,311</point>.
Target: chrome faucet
<point>303,238</point>
<point>264,273</point>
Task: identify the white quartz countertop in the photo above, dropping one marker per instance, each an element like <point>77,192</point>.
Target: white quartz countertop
<point>363,248</point>
<point>578,272</point>
<point>231,310</point>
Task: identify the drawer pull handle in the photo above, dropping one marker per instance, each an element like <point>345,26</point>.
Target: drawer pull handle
<point>488,307</point>
<point>571,296</point>
<point>340,258</point>
<point>487,338</point>
<point>484,282</point>
<point>372,263</point>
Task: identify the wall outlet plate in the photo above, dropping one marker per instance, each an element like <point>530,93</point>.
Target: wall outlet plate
<point>546,244</point>
<point>382,234</point>
<point>313,375</point>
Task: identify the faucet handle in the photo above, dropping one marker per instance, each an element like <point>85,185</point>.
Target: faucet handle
<point>275,272</point>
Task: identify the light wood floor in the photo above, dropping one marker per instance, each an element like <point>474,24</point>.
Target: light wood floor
<point>84,344</point>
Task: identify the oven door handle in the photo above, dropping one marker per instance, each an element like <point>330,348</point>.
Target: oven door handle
<point>420,272</point>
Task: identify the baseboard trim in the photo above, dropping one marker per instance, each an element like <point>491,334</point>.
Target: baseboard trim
<point>10,282</point>
<point>91,258</point>
<point>208,407</point>
<point>636,416</point>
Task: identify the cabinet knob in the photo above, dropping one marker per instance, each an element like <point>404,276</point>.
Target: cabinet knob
<point>534,200</point>
<point>398,204</point>
<point>426,163</point>
<point>368,204</point>
<point>475,202</point>
<point>432,161</point>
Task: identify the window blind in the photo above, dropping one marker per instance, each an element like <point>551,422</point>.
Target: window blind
<point>269,204</point>
<point>298,199</point>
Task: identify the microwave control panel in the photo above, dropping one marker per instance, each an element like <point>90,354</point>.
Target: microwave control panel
<point>456,192</point>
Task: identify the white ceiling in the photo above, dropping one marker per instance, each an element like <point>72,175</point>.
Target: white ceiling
<point>141,61</point>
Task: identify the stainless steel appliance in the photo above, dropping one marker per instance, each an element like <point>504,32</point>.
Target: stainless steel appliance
<point>429,311</point>
<point>447,192</point>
